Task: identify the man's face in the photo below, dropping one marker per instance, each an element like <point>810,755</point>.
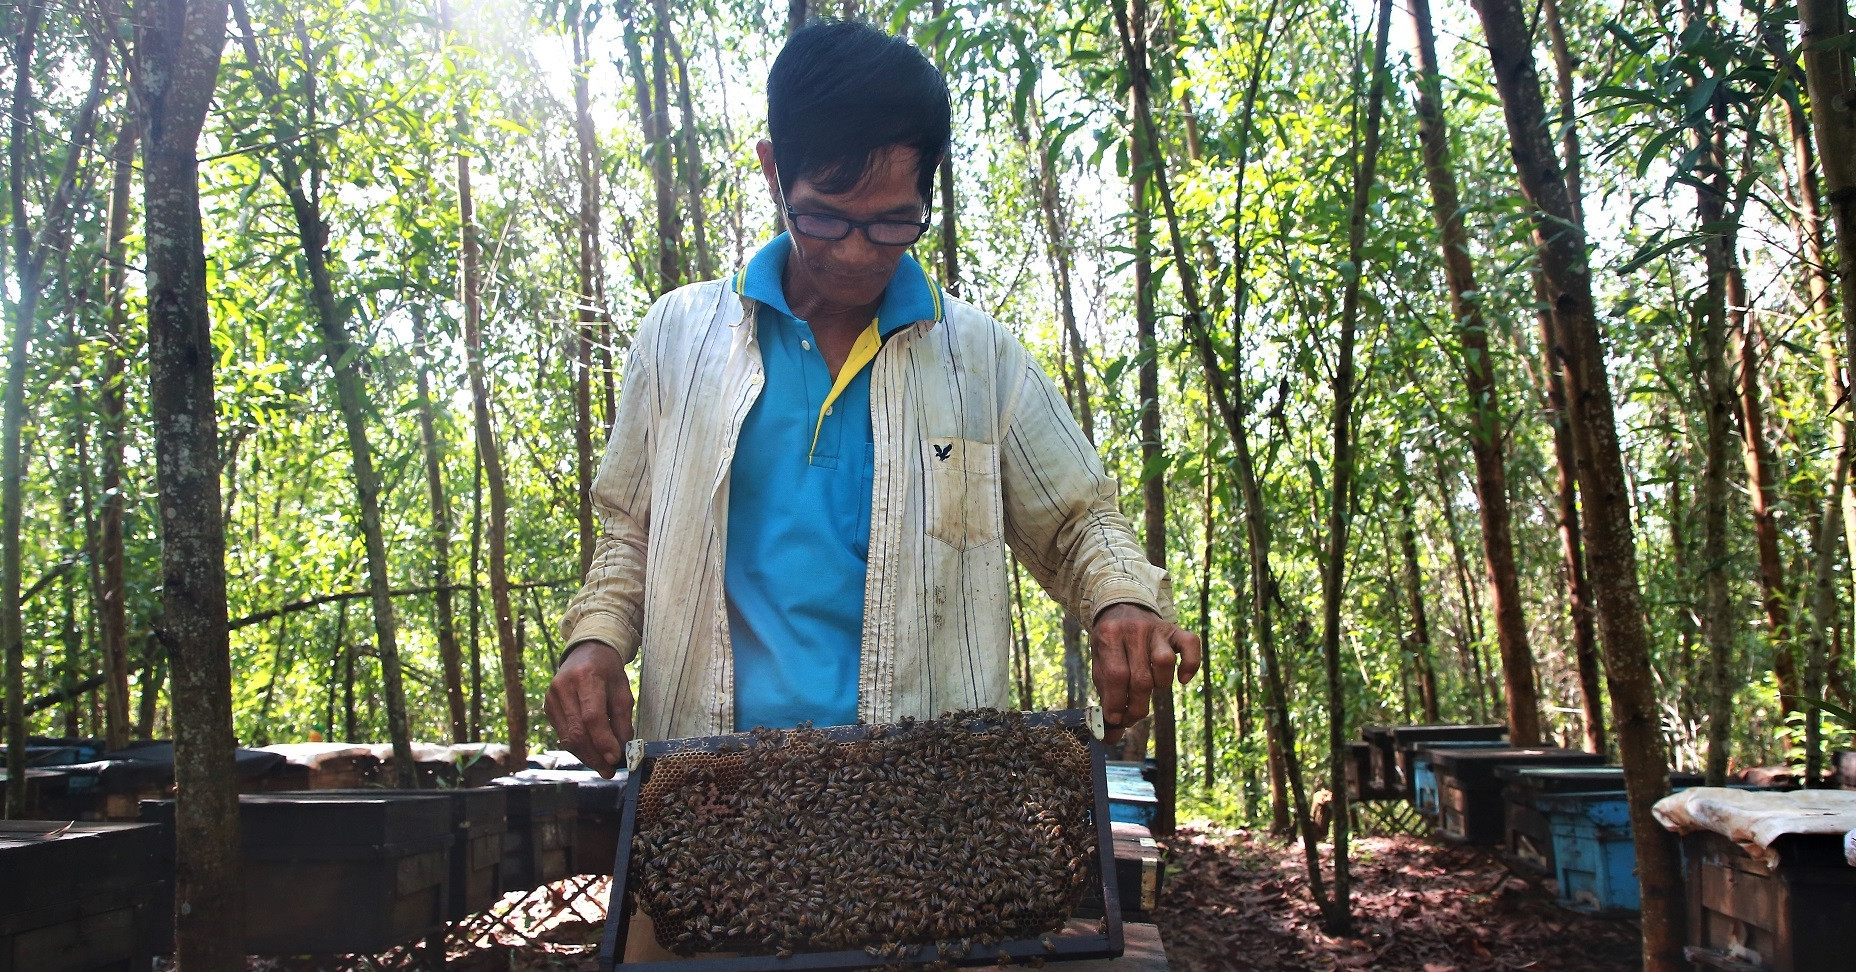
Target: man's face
<point>852,272</point>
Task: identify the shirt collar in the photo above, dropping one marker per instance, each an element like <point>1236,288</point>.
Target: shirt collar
<point>911,295</point>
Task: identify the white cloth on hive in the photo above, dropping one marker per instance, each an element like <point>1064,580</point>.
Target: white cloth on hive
<point>421,752</point>
<point>1754,819</point>
<point>313,755</point>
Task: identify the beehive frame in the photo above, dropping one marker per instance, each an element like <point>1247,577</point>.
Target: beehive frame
<point>1105,942</point>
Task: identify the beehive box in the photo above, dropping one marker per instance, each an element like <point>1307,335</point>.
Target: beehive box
<point>1742,915</point>
<point>45,790</point>
<point>1384,757</point>
<point>1469,796</point>
<point>338,873</point>
<point>1423,788</point>
<point>1529,842</point>
<point>1131,797</point>
<point>1405,740</point>
<point>81,896</point>
<point>1843,768</point>
<point>321,766</point>
<point>479,825</point>
<point>539,845</point>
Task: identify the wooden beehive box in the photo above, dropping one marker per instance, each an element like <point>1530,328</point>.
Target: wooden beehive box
<point>1469,796</point>
<point>1742,915</point>
<point>479,824</point>
<point>1529,841</point>
<point>45,790</point>
<point>1423,782</point>
<point>339,873</point>
<point>1384,757</point>
<point>321,766</point>
<point>79,896</point>
<point>539,844</point>
<point>1405,740</point>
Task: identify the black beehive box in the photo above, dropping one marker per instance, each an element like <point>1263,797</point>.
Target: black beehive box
<point>328,872</point>
<point>81,895</point>
<point>539,844</point>
<point>1469,796</point>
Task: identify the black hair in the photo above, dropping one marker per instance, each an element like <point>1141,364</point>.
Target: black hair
<point>839,91</point>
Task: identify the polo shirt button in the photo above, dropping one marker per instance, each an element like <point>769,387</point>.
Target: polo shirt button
<point>806,345</point>
<point>828,410</point>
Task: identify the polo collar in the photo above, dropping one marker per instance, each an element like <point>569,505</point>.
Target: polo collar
<point>911,295</point>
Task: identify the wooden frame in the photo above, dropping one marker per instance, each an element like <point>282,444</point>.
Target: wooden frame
<point>1106,943</point>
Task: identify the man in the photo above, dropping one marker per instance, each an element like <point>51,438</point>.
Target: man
<point>818,462</point>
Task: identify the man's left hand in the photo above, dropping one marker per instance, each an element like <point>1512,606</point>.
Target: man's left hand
<point>1136,649</point>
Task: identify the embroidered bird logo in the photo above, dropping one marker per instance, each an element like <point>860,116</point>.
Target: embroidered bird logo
<point>941,452</point>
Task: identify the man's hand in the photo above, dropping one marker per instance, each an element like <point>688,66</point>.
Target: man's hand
<point>1134,650</point>
<point>590,706</point>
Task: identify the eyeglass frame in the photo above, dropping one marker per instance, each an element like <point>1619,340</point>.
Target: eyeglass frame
<point>853,225</point>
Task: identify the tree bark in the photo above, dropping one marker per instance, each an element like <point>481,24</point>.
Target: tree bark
<point>177,52</point>
<point>1419,640</point>
<point>585,303</point>
<point>1718,622</point>
<point>1604,489</point>
<point>1143,145</point>
<point>112,617</point>
<point>1481,391</point>
<point>1572,548</point>
<point>515,696</point>
<point>692,161</point>
<point>448,652</point>
<point>662,155</point>
<point>1830,78</point>
<point>1471,648</point>
<point>1050,203</point>
<point>950,234</point>
<point>1207,698</point>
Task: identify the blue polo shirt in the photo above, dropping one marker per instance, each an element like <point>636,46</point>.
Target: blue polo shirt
<point>799,506</point>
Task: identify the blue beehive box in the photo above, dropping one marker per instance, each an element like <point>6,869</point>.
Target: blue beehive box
<point>1130,796</point>
<point>1593,857</point>
<point>1424,779</point>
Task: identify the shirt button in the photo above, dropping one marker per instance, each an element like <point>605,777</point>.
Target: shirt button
<point>806,345</point>
<point>828,410</point>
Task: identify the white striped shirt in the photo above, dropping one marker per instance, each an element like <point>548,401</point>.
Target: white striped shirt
<point>975,450</point>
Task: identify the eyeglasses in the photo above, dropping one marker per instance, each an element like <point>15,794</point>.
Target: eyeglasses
<point>882,232</point>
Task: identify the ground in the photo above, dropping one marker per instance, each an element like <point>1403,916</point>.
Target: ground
<point>1235,901</point>
<point>1238,900</point>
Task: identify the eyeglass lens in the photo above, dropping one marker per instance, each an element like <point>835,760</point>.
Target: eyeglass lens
<point>834,228</point>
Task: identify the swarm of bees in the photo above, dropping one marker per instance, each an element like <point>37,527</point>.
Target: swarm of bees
<point>962,832</point>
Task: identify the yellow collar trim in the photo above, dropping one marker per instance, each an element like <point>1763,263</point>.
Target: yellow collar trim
<point>862,353</point>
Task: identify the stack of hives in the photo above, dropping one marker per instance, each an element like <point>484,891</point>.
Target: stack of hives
<point>973,828</point>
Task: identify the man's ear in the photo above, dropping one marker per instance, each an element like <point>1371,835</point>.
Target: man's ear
<point>764,150</point>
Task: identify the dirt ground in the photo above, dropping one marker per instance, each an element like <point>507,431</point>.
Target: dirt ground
<point>1238,901</point>
<point>1234,901</point>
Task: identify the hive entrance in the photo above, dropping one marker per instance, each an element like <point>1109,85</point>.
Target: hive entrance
<point>963,831</point>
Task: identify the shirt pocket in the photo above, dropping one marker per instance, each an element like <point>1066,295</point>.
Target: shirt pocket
<point>961,491</point>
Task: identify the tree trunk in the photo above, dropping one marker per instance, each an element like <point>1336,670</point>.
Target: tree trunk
<point>662,155</point>
<point>1480,388</point>
<point>515,696</point>
<point>1050,202</point>
<point>1603,487</point>
<point>1830,78</point>
<point>1420,638</point>
<point>1207,698</point>
<point>1823,617</point>
<point>1471,661</point>
<point>177,52</point>
<point>1340,493</point>
<point>950,235</point>
<point>692,161</point>
<point>112,617</point>
<point>585,304</point>
<point>1572,548</point>
<point>448,652</point>
<point>795,16</point>
<point>1141,146</point>
<point>1718,622</point>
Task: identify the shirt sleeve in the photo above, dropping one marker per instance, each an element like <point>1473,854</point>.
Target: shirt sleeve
<point>609,606</point>
<point>1061,515</point>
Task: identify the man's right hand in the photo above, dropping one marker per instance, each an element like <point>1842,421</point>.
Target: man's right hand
<point>590,706</point>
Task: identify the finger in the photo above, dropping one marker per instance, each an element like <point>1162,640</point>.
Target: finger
<point>1140,678</point>
<point>1112,736</point>
<point>1111,675</point>
<point>1161,654</point>
<point>1191,653</point>
<point>597,720</point>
